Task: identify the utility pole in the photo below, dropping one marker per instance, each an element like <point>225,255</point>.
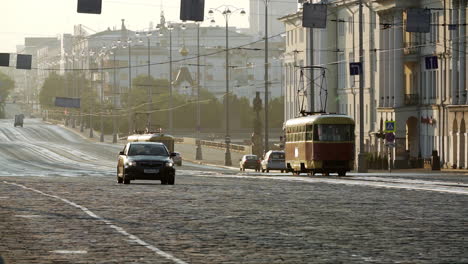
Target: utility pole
<point>198,155</point>
<point>101,138</point>
<point>129,87</point>
<point>114,99</point>
<point>170,28</point>
<point>361,156</point>
<point>150,88</point>
<point>266,77</point>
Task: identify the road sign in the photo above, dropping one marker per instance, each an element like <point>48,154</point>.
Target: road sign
<point>431,63</point>
<point>390,126</point>
<point>355,68</point>
<point>390,137</point>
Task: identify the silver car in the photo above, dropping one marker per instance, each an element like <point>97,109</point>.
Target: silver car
<point>177,159</point>
<point>274,160</point>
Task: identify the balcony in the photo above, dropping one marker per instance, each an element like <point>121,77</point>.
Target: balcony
<point>412,48</point>
<point>411,99</point>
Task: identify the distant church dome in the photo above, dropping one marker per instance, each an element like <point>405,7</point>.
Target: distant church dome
<point>184,51</point>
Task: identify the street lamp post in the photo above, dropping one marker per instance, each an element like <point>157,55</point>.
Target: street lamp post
<point>170,28</point>
<point>91,134</point>
<point>129,41</point>
<point>198,155</point>
<point>225,10</point>
<point>266,76</point>
<point>81,93</point>
<point>101,97</point>
<point>114,134</point>
<point>150,89</point>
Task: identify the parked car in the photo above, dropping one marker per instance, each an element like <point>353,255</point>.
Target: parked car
<point>177,158</point>
<point>249,162</point>
<point>274,160</point>
<point>145,161</point>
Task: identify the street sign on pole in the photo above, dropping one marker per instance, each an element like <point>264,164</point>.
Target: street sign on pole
<point>431,63</point>
<point>390,127</point>
<point>390,137</point>
<point>355,68</point>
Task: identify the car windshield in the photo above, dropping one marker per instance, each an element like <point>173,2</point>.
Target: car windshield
<point>147,150</point>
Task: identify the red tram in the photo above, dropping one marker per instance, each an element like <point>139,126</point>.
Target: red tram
<point>320,143</point>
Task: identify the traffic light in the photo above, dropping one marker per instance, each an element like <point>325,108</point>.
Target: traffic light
<point>5,59</point>
<point>89,6</point>
<point>23,61</point>
<point>192,10</point>
<point>314,15</point>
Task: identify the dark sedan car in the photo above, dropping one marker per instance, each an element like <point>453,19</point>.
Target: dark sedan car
<point>145,161</point>
<point>250,162</point>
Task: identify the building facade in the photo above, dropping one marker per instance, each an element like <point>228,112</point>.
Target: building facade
<point>429,105</point>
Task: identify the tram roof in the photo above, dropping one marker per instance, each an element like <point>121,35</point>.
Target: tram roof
<point>148,137</point>
<point>320,119</point>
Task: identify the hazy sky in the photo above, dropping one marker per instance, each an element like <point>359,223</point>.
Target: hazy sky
<point>48,18</point>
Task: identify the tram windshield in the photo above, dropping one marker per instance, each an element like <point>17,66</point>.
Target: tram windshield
<point>328,132</point>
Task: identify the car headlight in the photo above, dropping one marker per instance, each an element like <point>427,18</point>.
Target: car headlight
<point>131,163</point>
<point>169,164</point>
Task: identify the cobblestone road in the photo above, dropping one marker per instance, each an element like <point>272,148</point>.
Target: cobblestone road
<point>226,220</point>
<point>60,203</point>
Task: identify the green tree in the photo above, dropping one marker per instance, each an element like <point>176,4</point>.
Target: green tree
<point>6,86</point>
<point>56,85</point>
<point>276,112</point>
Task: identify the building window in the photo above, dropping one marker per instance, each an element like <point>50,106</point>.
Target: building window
<point>301,34</point>
<point>341,71</point>
<point>341,26</point>
<point>367,114</point>
<point>351,25</point>
<point>352,78</point>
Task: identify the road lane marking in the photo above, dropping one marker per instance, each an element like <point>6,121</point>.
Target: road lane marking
<point>120,230</point>
<point>69,251</point>
<point>434,186</point>
<point>27,216</point>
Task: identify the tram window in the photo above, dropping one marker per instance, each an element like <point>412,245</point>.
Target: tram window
<point>326,132</point>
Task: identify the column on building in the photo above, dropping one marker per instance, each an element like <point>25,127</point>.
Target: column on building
<point>387,71</point>
<point>398,59</point>
<point>460,157</point>
<point>466,150</point>
<point>382,69</point>
<point>391,63</point>
<point>455,54</point>
<point>462,54</point>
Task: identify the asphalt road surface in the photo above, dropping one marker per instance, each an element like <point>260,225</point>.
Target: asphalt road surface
<point>60,203</point>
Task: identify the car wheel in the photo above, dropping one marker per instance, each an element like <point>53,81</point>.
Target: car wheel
<point>119,180</point>
<point>124,178</point>
<point>164,180</point>
<point>282,171</point>
<point>342,173</point>
<point>267,170</point>
<point>171,180</point>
